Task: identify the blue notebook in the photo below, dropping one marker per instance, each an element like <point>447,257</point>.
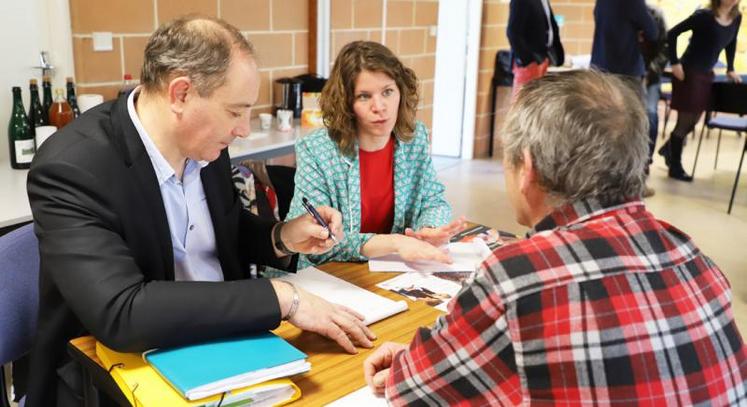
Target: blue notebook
<point>202,370</point>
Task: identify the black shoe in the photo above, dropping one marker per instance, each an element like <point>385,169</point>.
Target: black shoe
<point>666,152</point>
<point>679,174</point>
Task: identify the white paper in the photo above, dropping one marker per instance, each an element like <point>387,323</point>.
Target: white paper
<point>466,257</point>
<point>363,397</point>
<point>372,306</point>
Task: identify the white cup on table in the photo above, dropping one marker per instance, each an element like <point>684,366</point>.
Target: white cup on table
<point>285,119</point>
<point>265,121</point>
<point>43,133</point>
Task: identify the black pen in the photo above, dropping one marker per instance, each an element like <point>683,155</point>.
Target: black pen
<point>312,211</point>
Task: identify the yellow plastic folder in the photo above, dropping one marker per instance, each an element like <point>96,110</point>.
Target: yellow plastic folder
<point>143,386</point>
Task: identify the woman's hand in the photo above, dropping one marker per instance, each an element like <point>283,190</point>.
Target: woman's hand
<point>678,72</point>
<point>438,236</point>
<point>734,77</point>
<point>414,250</point>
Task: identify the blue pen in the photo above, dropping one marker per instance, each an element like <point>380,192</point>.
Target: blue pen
<point>312,211</point>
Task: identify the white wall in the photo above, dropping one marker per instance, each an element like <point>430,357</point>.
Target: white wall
<point>28,27</point>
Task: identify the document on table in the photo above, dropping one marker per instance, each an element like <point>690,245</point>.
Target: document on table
<point>363,397</point>
<point>372,306</point>
<point>466,256</point>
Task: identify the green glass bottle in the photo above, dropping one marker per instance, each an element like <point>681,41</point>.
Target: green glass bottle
<point>36,112</point>
<point>47,101</point>
<point>71,99</point>
<point>19,134</point>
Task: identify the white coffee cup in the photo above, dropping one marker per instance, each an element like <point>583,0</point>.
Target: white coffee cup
<point>285,118</point>
<point>43,133</point>
<point>265,121</point>
<point>89,100</point>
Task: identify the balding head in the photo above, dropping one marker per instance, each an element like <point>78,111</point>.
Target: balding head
<point>586,133</point>
<point>198,47</point>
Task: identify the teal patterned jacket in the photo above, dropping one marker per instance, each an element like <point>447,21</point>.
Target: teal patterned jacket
<point>326,177</point>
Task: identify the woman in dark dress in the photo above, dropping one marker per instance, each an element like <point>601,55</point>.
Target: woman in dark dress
<point>713,30</point>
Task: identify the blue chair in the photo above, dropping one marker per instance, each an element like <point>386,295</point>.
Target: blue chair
<point>19,296</point>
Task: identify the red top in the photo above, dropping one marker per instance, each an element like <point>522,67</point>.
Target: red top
<point>377,189</point>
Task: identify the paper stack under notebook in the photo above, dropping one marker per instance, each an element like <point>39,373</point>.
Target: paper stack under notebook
<point>249,370</point>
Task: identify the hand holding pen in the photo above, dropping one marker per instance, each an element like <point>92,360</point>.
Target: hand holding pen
<point>318,218</point>
<point>312,234</point>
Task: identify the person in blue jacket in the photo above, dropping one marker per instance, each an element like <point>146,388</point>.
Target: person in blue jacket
<point>372,162</point>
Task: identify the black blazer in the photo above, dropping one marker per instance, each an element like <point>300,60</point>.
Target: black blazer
<point>106,258</point>
<point>527,33</point>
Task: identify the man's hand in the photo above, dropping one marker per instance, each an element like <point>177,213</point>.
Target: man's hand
<point>376,366</point>
<point>315,314</point>
<point>734,77</point>
<point>304,235</point>
<point>438,236</point>
<point>678,72</point>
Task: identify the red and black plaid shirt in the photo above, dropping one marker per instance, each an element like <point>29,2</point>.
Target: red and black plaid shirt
<point>597,306</point>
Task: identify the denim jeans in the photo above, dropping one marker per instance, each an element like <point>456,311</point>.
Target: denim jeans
<point>653,93</point>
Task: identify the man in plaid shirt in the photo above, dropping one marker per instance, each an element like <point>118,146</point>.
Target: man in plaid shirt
<point>601,303</point>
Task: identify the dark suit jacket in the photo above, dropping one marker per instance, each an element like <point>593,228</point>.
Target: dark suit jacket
<point>527,33</point>
<point>106,255</point>
<point>616,26</point>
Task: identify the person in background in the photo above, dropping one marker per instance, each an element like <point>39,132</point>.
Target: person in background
<point>601,304</point>
<point>618,27</point>
<point>142,238</point>
<point>535,40</point>
<point>655,57</point>
<point>372,162</point>
<point>713,30</point>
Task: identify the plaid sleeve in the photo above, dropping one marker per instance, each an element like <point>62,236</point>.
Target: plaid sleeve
<point>468,357</point>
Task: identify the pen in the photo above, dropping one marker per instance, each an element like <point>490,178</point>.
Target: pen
<point>312,211</point>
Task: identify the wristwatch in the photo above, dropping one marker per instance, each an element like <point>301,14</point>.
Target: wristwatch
<point>279,245</point>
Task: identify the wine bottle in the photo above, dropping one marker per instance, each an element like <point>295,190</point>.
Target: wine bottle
<point>19,134</point>
<point>36,112</point>
<point>71,99</point>
<point>47,94</point>
<point>60,113</point>
<point>128,84</point>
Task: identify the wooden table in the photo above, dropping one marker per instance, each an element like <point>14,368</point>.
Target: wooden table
<point>335,373</point>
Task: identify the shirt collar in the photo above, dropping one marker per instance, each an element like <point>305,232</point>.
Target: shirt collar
<point>163,169</point>
<point>580,211</point>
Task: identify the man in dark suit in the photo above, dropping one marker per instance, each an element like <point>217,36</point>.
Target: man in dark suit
<point>142,237</point>
<point>618,26</point>
<point>535,40</point>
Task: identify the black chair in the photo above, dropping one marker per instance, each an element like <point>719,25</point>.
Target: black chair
<point>283,180</point>
<point>502,76</point>
<point>726,98</point>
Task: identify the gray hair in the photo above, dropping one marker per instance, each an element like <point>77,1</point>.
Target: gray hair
<point>198,47</point>
<point>587,135</point>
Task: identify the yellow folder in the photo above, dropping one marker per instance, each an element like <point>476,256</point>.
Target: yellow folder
<point>144,387</point>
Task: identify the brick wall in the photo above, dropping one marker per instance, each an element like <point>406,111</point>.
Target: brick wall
<point>277,28</point>
<point>407,34</point>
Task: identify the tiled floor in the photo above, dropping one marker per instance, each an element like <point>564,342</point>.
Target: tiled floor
<point>476,189</point>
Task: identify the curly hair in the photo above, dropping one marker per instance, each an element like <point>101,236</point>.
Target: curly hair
<point>339,92</point>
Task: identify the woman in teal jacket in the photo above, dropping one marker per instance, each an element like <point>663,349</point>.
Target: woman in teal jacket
<point>372,163</point>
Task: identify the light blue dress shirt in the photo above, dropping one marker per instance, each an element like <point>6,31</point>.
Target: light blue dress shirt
<point>192,234</point>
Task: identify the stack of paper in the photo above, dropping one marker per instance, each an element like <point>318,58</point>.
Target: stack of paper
<point>372,306</point>
<point>466,256</point>
<point>143,386</point>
